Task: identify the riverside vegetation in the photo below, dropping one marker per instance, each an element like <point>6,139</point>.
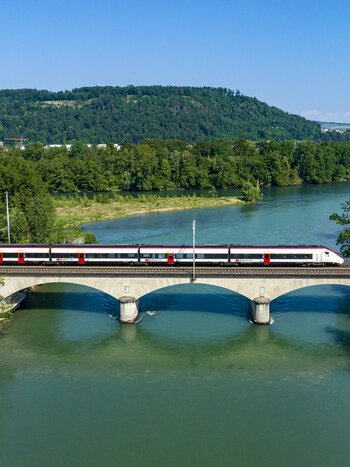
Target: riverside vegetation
<point>33,175</point>
<point>76,210</point>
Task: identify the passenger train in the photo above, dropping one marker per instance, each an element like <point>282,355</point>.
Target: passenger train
<point>223,255</point>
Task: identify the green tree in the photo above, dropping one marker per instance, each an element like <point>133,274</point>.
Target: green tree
<point>19,226</point>
<point>251,193</point>
<point>40,215</point>
<point>343,219</point>
<point>90,238</point>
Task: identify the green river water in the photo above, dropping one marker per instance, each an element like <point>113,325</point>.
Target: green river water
<point>194,383</point>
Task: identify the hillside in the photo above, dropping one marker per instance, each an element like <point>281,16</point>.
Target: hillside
<point>131,114</point>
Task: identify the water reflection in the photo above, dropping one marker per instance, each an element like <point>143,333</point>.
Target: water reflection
<point>308,316</point>
<point>194,331</point>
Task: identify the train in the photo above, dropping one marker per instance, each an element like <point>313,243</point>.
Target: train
<point>220,255</point>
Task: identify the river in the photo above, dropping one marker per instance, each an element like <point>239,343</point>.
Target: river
<point>194,383</point>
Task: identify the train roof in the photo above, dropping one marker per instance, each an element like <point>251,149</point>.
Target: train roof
<point>136,245</point>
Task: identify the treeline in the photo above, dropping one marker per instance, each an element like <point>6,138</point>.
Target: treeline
<point>133,113</point>
<point>166,165</point>
<point>32,212</point>
<point>30,176</point>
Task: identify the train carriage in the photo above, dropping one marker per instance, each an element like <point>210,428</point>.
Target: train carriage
<point>183,254</point>
<point>284,255</point>
<point>22,254</point>
<point>94,254</point>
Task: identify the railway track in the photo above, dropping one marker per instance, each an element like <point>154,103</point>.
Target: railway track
<point>148,271</point>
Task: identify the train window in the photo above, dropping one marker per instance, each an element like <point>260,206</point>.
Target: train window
<point>10,255</point>
<point>291,256</point>
<point>63,255</point>
<point>37,255</point>
<point>327,253</point>
<point>200,256</point>
<point>215,255</point>
<point>146,255</point>
<point>246,256</point>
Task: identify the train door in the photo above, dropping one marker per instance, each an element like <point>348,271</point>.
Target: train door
<point>267,258</point>
<point>170,257</point>
<point>81,258</point>
<point>20,257</point>
<point>1,257</point>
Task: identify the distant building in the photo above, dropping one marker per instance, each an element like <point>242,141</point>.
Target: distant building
<point>69,146</point>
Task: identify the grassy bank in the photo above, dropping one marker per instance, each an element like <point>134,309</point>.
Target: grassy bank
<point>74,211</point>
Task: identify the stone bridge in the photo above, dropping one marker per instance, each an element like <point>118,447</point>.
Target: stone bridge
<point>129,284</point>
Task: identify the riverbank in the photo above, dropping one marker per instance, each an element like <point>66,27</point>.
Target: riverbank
<point>8,306</point>
<point>73,212</point>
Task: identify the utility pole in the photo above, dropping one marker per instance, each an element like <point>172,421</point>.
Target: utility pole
<point>194,250</point>
<point>8,216</point>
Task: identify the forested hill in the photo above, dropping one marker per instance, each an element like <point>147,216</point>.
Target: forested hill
<point>131,114</point>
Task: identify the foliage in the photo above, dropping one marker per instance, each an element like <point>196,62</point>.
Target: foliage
<point>32,212</point>
<point>343,219</point>
<point>251,193</point>
<point>173,164</point>
<point>131,114</point>
<point>90,239</point>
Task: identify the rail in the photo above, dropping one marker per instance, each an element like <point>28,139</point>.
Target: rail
<point>183,271</point>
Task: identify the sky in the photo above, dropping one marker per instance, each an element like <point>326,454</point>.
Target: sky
<point>291,54</point>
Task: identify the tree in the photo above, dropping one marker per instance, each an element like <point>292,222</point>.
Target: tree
<point>250,192</point>
<point>40,215</point>
<point>343,219</point>
<point>90,238</point>
<point>19,226</point>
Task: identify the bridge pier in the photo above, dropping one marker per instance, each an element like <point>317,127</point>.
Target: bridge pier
<point>260,310</point>
<point>129,309</point>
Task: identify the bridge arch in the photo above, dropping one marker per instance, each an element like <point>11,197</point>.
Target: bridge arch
<point>270,287</point>
<point>195,286</point>
<point>293,285</point>
<point>309,287</point>
<point>140,286</point>
<point>13,285</point>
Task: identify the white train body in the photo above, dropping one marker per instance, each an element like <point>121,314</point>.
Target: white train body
<point>21,254</point>
<point>94,254</point>
<point>228,255</point>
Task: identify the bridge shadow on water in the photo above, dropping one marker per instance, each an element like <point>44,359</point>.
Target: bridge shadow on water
<point>315,315</point>
<point>194,319</point>
<point>73,297</point>
<point>194,298</point>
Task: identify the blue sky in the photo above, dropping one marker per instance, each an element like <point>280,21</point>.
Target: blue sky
<point>291,54</point>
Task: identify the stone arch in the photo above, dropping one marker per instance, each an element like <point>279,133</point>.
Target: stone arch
<point>252,287</point>
<point>113,286</point>
<point>196,283</point>
<point>16,284</point>
<point>337,283</point>
<point>299,284</point>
